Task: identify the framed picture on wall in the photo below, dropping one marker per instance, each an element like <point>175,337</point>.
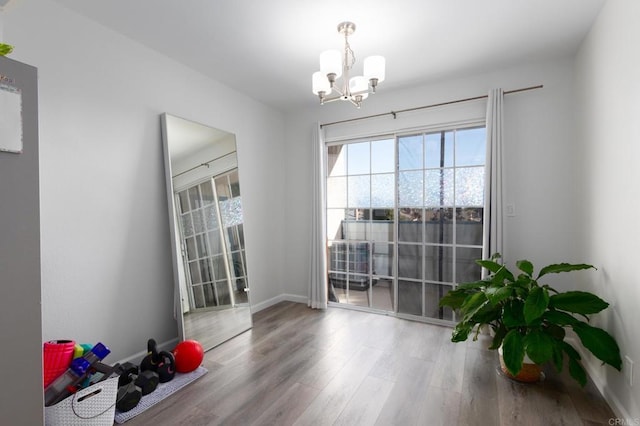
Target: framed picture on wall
<point>10,117</point>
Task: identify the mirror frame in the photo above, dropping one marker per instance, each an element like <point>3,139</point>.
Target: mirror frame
<point>176,255</point>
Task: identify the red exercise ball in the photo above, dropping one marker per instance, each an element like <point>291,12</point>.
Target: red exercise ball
<point>189,355</point>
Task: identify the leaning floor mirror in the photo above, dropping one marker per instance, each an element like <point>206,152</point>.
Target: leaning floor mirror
<point>207,233</point>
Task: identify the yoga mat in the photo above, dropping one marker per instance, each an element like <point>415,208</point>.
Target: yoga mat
<point>162,391</point>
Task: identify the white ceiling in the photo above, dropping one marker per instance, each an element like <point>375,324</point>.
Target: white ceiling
<point>269,49</point>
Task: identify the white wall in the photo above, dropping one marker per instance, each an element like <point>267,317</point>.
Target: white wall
<point>608,101</point>
<point>539,156</point>
<point>106,266</point>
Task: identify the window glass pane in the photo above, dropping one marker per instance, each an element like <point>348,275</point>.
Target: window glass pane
<point>469,226</point>
<point>432,295</point>
<point>466,267</point>
<point>194,269</point>
<point>215,245</point>
<point>383,156</point>
<point>224,298</point>
<point>439,226</point>
<point>209,294</point>
<point>382,190</point>
<point>211,217</point>
<point>338,257</point>
<point>187,225</point>
<point>358,158</point>
<point>359,191</point>
<point>337,192</point>
<point>381,229</point>
<point>194,198</point>
<point>234,183</point>
<point>470,186</point>
<point>219,271</point>
<point>410,261</point>
<point>438,188</point>
<point>335,224</point>
<point>231,211</point>
<point>184,201</point>
<point>198,221</point>
<point>357,229</point>
<point>192,253</point>
<point>201,243</point>
<point>439,150</point>
<point>410,225</point>
<point>410,297</point>
<point>205,270</point>
<point>410,152</point>
<point>222,188</point>
<point>438,264</point>
<point>198,296</point>
<point>206,189</point>
<point>336,160</point>
<point>470,147</point>
<point>383,259</point>
<point>410,189</point>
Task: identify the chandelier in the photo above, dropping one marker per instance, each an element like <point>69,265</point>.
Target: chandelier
<point>335,64</point>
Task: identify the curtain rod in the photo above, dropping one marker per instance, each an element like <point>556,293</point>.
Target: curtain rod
<point>205,164</point>
<point>395,113</point>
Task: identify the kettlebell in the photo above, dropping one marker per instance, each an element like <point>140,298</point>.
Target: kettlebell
<point>162,363</point>
<point>152,359</point>
<point>166,366</point>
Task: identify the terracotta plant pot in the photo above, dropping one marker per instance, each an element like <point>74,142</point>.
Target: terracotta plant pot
<point>530,372</point>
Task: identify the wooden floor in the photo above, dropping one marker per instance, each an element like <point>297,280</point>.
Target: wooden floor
<point>299,366</point>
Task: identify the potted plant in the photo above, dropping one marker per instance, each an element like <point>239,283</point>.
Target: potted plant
<point>529,318</point>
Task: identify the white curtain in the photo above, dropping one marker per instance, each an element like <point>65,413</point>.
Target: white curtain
<point>494,177</point>
<point>318,252</point>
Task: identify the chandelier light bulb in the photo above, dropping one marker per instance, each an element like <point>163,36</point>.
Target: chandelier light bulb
<point>320,83</point>
<point>359,86</point>
<point>331,63</point>
<point>374,68</point>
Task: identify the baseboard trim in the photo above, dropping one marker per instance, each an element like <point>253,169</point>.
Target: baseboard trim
<point>168,346</point>
<point>275,300</point>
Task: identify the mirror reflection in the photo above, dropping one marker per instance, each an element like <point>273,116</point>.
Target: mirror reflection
<point>205,215</point>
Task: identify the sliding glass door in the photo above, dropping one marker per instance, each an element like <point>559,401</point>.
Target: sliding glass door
<point>405,219</point>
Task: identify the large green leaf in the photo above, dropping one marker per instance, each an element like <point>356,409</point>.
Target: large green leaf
<point>577,371</point>
<point>560,318</point>
<point>600,343</point>
<point>579,302</point>
<point>461,332</point>
<point>498,337</point>
<point>555,331</point>
<point>563,267</point>
<point>497,294</point>
<point>525,266</point>
<point>539,346</point>
<point>473,285</point>
<point>513,351</point>
<point>513,315</point>
<point>490,265</point>
<point>454,299</point>
<point>536,304</point>
<point>472,305</point>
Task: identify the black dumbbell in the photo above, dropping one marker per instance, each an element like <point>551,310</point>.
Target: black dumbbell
<point>133,386</point>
